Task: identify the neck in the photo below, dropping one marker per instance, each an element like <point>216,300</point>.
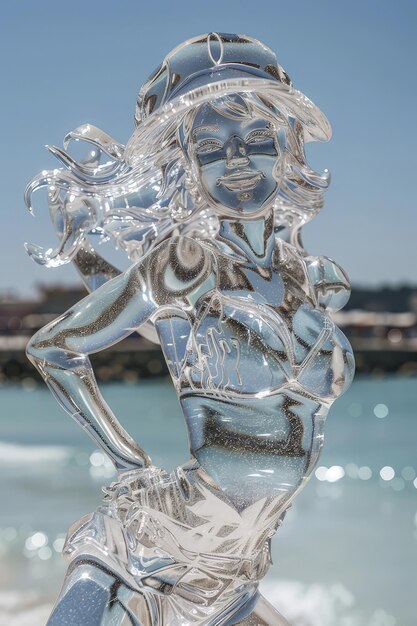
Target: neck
<point>252,238</point>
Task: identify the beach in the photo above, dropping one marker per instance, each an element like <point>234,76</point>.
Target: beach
<point>345,555</point>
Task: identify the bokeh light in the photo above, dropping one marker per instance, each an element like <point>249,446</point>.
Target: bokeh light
<point>387,473</point>
<point>364,472</point>
<point>36,541</point>
<point>381,410</point>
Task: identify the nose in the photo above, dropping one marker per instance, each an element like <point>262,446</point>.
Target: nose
<point>236,153</point>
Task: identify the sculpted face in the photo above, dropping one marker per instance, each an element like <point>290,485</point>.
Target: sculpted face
<point>235,159</point>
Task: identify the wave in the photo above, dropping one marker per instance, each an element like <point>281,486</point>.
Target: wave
<point>321,605</point>
<point>314,605</point>
<point>13,454</point>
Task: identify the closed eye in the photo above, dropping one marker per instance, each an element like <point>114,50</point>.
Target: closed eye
<point>208,145</point>
<point>259,136</point>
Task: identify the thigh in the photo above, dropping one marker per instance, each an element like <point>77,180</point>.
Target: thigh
<point>94,596</point>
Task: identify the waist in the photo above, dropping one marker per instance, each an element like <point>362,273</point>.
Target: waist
<point>174,540</point>
<point>171,510</point>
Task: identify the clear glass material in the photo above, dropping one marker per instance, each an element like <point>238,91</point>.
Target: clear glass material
<point>207,199</point>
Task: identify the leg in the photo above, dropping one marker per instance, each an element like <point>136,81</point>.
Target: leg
<point>93,596</point>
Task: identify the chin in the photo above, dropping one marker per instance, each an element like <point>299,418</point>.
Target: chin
<point>240,211</point>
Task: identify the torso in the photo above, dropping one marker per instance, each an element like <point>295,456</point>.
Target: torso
<point>256,366</point>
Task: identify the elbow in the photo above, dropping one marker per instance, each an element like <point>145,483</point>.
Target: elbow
<point>39,351</point>
<point>44,353</point>
<point>33,352</point>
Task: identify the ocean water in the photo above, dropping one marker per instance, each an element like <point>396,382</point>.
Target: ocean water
<point>346,554</point>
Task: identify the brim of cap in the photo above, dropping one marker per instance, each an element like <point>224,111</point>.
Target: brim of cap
<point>290,101</point>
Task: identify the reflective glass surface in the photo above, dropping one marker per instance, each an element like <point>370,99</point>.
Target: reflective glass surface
<point>208,199</point>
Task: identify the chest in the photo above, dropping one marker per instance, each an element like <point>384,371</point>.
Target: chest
<point>283,283</point>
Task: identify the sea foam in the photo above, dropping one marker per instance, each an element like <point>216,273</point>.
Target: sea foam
<point>12,454</point>
<point>321,605</point>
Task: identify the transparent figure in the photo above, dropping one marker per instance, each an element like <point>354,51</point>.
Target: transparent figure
<point>207,199</point>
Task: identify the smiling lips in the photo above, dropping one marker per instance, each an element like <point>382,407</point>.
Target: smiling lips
<point>242,180</point>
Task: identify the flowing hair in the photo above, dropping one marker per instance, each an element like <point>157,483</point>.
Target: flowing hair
<point>144,192</point>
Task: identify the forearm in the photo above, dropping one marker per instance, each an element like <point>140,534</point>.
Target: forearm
<point>71,380</point>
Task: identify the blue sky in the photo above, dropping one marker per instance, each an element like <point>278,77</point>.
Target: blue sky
<point>67,63</point>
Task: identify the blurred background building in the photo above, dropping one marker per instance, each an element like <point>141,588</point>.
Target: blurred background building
<point>380,323</point>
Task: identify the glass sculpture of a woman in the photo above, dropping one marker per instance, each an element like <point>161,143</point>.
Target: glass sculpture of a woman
<point>207,199</point>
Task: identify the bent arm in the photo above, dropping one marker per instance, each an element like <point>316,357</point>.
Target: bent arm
<point>60,352</point>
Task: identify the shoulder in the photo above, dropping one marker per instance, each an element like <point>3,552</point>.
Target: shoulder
<point>330,282</point>
<point>320,278</point>
<point>180,265</point>
<point>187,259</point>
